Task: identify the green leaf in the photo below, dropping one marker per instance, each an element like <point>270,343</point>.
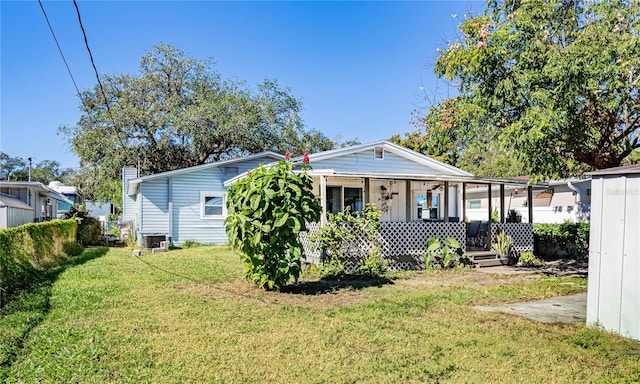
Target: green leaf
<point>281,220</point>
<point>433,244</point>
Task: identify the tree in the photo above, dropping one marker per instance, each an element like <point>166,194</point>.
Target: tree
<point>552,83</point>
<point>179,112</point>
<point>267,210</point>
<point>45,171</point>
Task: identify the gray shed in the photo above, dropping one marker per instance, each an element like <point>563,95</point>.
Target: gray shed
<point>14,212</point>
<point>613,297</point>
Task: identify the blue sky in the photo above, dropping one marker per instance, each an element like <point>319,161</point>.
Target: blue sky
<point>357,66</point>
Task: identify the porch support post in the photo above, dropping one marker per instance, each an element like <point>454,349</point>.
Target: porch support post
<point>490,204</point>
<point>409,200</point>
<point>366,192</point>
<point>323,200</point>
<point>464,201</point>
<point>446,201</point>
<point>530,202</point>
<point>502,203</point>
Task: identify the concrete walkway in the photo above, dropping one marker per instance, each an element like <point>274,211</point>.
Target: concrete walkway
<point>561,309</point>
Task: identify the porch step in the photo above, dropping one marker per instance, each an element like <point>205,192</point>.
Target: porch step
<point>481,255</point>
<point>482,259</point>
<point>487,263</point>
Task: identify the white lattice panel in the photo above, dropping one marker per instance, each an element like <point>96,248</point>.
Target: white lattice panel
<point>311,251</point>
<point>521,234</point>
<point>404,244</point>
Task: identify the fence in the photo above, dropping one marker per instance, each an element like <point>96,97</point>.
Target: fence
<point>404,244</point>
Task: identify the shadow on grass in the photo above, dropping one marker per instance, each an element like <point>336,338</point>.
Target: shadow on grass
<point>324,286</point>
<point>28,306</point>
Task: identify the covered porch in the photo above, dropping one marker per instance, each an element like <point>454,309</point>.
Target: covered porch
<point>416,207</point>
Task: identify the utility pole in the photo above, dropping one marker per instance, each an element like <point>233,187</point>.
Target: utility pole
<point>29,169</point>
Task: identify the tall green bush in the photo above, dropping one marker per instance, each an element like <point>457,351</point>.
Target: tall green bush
<point>31,249</point>
<point>570,240</point>
<point>267,210</point>
<point>89,228</point>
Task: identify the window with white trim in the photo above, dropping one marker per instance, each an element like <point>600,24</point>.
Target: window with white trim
<point>212,205</point>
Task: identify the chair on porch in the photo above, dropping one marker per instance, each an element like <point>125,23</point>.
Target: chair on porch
<point>472,232</point>
<point>481,239</point>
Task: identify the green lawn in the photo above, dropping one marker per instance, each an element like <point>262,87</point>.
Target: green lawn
<point>187,316</point>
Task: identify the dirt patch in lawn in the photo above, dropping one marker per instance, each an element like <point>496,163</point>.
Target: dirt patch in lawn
<point>555,268</point>
<point>346,292</point>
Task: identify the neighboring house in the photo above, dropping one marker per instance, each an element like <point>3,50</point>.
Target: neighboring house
<point>562,200</point>
<point>42,203</point>
<point>185,204</point>
<point>613,292</point>
<point>70,192</point>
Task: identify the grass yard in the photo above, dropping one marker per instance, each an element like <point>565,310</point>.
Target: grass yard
<point>187,316</point>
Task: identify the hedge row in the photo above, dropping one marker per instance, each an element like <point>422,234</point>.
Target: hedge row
<point>32,249</point>
<point>566,240</point>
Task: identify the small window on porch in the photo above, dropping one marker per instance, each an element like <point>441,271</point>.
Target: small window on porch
<point>339,198</point>
<point>473,204</point>
<point>378,153</point>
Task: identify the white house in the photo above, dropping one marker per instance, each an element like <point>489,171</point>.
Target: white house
<point>27,202</point>
<point>556,201</point>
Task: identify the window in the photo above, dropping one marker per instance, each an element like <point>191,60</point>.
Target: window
<point>353,199</point>
<point>475,204</point>
<point>231,171</point>
<point>212,205</point>
<point>340,197</point>
<point>378,153</point>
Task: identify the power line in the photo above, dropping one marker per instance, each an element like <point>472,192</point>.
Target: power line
<point>63,57</point>
<point>95,70</point>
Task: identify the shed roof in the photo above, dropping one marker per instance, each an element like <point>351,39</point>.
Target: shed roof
<point>622,170</point>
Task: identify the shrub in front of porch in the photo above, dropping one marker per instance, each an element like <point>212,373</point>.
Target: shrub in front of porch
<point>267,210</point>
<point>450,256</point>
<point>350,244</point>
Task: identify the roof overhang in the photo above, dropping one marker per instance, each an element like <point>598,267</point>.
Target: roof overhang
<point>133,184</point>
<point>36,187</point>
<point>408,176</point>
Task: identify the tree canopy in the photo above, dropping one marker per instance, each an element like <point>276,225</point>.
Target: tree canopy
<point>177,112</point>
<point>551,84</point>
<point>44,171</point>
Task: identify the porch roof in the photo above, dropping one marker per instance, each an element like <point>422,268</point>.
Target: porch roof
<point>424,177</point>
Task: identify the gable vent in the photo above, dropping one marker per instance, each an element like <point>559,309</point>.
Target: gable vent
<point>378,153</point>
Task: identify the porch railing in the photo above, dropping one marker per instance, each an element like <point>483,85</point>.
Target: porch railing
<point>404,244</point>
